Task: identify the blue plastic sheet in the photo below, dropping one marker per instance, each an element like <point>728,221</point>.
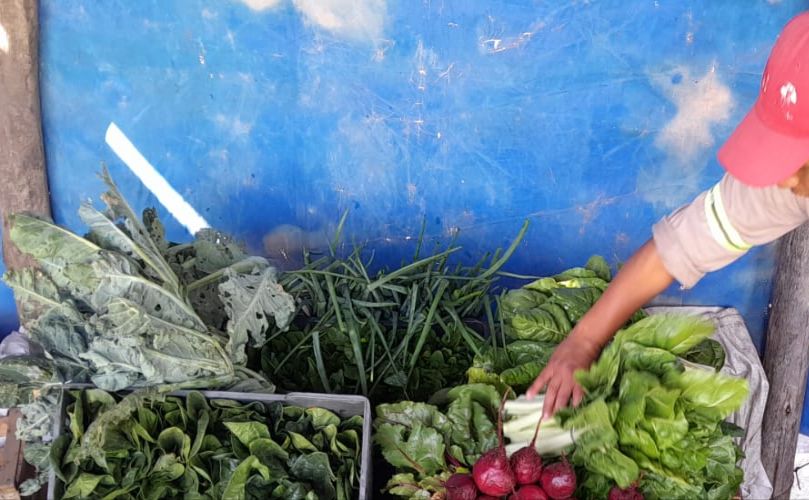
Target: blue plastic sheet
<point>272,117</point>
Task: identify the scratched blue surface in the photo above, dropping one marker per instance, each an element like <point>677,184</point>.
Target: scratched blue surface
<point>592,119</point>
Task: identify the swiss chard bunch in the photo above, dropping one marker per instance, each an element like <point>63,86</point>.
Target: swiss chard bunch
<point>539,315</point>
<point>428,443</point>
<point>165,447</point>
<point>547,309</point>
<point>652,417</point>
<point>533,320</point>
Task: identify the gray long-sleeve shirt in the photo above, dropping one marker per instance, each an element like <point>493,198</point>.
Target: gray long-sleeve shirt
<point>722,224</point>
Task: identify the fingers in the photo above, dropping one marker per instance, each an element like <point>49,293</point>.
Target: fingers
<point>564,394</point>
<point>538,384</point>
<point>548,407</point>
<point>578,395</point>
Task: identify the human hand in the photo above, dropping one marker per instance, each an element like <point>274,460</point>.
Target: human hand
<point>558,376</point>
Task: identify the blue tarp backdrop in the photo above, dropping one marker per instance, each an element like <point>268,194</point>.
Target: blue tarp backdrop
<point>593,119</point>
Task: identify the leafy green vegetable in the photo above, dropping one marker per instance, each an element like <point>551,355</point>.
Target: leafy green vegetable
<point>546,309</point>
<point>514,366</point>
<point>123,308</point>
<point>391,335</point>
<point>426,444</point>
<point>249,299</point>
<point>650,416</point>
<point>110,307</point>
<point>162,447</point>
<point>709,352</point>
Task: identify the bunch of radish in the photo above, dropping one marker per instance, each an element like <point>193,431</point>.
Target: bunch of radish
<point>520,477</point>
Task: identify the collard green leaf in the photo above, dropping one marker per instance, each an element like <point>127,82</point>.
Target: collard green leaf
<point>110,236</point>
<point>250,300</point>
<point>54,248</point>
<point>214,251</point>
<point>38,295</point>
<point>147,249</point>
<point>116,278</point>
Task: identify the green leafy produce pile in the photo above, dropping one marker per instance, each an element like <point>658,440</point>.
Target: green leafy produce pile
<point>169,447</point>
<point>392,335</point>
<point>652,417</point>
<point>116,307</point>
<point>123,308</point>
<point>427,443</point>
<point>536,317</point>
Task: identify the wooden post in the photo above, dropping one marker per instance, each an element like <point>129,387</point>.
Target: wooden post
<point>786,359</point>
<point>23,179</point>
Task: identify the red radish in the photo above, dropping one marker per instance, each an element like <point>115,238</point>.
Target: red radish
<point>461,487</point>
<point>526,462</point>
<point>492,471</point>
<point>486,497</point>
<point>630,493</point>
<point>559,480</point>
<point>529,492</point>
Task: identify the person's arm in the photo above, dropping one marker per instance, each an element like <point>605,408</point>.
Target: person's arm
<point>642,278</point>
<point>717,228</point>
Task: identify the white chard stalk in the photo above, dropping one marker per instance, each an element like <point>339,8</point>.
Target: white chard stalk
<point>519,430</point>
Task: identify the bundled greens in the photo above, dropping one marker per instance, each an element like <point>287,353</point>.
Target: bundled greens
<point>546,309</point>
<point>541,314</point>
<point>167,447</point>
<point>400,334</point>
<point>114,308</point>
<point>652,417</point>
<point>427,445</point>
<point>535,318</point>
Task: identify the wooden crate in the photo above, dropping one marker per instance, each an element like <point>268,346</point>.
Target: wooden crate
<point>11,458</point>
<point>13,467</point>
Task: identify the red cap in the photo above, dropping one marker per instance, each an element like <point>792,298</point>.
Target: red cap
<point>772,142</point>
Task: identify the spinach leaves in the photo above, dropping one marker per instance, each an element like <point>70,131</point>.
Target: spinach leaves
<point>205,449</point>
